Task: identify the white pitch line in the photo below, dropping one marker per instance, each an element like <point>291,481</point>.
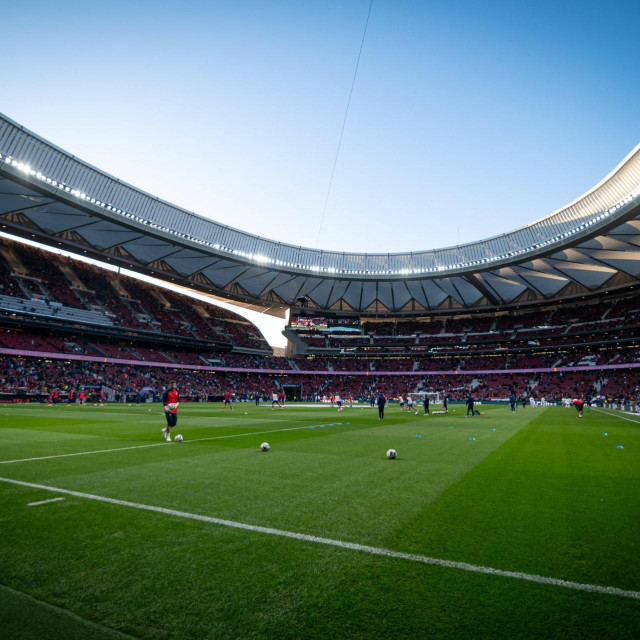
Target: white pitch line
<point>615,415</point>
<point>377,551</point>
<point>35,504</point>
<point>155,444</point>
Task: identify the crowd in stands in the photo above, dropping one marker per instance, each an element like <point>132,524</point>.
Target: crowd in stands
<point>591,335</point>
<point>27,273</point>
<point>38,378</point>
<point>604,321</point>
<point>578,357</point>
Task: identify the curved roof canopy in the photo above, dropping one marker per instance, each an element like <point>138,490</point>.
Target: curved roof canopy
<point>591,244</point>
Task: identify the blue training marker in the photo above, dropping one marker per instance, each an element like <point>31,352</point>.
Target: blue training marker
<point>472,438</point>
<point>450,427</point>
<point>492,429</point>
<point>311,427</point>
<point>619,447</point>
<point>605,434</point>
<point>418,435</point>
<point>348,423</point>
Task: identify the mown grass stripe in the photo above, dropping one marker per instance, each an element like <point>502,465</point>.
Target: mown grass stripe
<point>146,446</point>
<point>463,566</point>
<point>615,415</point>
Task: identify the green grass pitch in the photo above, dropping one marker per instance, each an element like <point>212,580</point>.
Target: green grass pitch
<point>543,494</point>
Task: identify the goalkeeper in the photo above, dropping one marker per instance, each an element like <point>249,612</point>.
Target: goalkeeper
<point>170,400</point>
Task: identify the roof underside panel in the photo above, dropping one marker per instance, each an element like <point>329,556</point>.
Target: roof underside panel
<point>256,284</point>
<point>56,218</point>
<point>221,277</point>
<point>338,291</point>
<point>385,296</point>
<point>588,275</point>
<point>547,283</point>
<point>627,261</point>
<point>10,202</point>
<point>608,243</point>
<point>104,235</point>
<point>148,250</point>
<point>470,294</point>
<point>188,262</point>
<point>435,294</point>
<point>289,290</point>
<point>353,294</point>
<point>369,294</point>
<point>320,292</point>
<point>416,291</point>
<point>507,289</point>
<point>401,295</point>
<point>448,285</point>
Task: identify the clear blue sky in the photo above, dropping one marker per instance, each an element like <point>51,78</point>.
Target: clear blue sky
<point>467,119</point>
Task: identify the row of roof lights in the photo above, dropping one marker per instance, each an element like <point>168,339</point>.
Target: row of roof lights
<point>262,259</point>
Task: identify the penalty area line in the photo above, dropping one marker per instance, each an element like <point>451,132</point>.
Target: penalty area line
<point>377,551</point>
<point>148,446</point>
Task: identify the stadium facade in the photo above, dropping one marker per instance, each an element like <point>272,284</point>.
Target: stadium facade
<point>587,248</point>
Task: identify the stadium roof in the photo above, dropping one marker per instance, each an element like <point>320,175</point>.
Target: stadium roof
<point>590,245</point>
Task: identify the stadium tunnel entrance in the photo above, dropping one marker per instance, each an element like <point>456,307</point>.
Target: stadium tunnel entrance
<point>292,392</point>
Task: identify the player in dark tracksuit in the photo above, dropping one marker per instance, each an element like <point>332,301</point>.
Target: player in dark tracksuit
<point>426,404</point>
<point>470,402</point>
<point>170,397</point>
<point>381,402</point>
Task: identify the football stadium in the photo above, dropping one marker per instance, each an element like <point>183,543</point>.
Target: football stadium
<point>445,447</point>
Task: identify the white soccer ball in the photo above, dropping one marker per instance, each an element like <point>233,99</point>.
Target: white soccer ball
<point>265,446</point>
<point>178,438</point>
<point>172,406</point>
<point>391,454</point>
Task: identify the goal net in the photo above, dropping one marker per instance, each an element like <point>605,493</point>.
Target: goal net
<point>434,397</point>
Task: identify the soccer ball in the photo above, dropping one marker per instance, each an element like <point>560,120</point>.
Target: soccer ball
<point>265,446</point>
<point>172,406</point>
<point>391,454</point>
<point>178,438</point>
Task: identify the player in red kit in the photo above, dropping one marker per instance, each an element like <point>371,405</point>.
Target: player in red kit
<point>227,400</point>
<point>170,400</point>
